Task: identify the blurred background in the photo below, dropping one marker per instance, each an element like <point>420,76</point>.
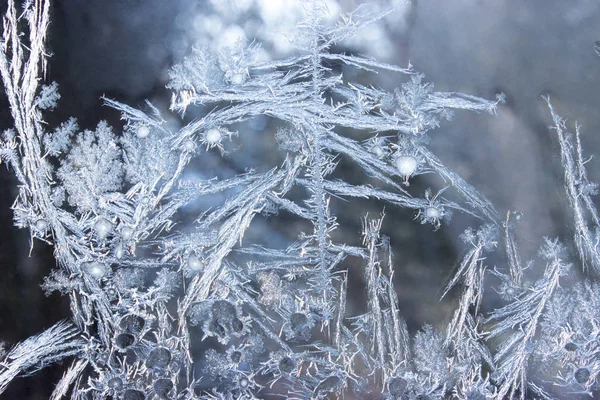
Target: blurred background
<point>124,48</point>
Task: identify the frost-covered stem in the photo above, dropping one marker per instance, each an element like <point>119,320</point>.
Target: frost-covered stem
<point>583,178</point>
<point>524,314</point>
<point>516,379</point>
<point>473,276</point>
<point>512,252</point>
<point>471,271</point>
<point>373,276</point>
<point>21,81</point>
<point>21,84</point>
<point>145,208</point>
<point>317,167</point>
<point>400,339</point>
<point>37,352</point>
<point>578,190</point>
<point>471,296</point>
<point>73,373</point>
<point>341,311</point>
<point>320,203</point>
<point>184,158</point>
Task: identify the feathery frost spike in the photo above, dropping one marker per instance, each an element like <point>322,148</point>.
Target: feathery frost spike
<point>579,191</point>
<point>520,319</point>
<point>58,342</point>
<point>471,271</point>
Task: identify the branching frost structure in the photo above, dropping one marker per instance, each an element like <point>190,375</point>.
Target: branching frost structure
<point>144,290</point>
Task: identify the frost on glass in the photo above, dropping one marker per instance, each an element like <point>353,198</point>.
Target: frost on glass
<point>144,290</point>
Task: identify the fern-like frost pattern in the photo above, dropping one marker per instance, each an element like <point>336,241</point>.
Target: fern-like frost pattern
<point>271,317</point>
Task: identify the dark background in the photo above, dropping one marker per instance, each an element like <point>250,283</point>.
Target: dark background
<point>123,49</point>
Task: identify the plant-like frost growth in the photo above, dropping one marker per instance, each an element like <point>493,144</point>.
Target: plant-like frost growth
<point>146,286</point>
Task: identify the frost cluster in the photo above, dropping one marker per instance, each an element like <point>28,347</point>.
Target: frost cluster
<point>146,291</point>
